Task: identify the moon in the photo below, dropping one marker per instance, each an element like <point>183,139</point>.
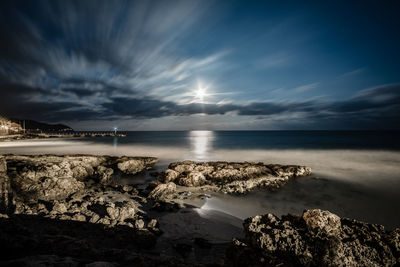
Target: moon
<point>201,93</point>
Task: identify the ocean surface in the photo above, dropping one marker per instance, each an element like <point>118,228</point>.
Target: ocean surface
<point>356,174</point>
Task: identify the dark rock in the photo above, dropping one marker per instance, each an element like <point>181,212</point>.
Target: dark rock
<point>318,238</point>
<point>3,165</point>
<point>183,249</point>
<point>7,202</point>
<point>202,243</point>
<point>162,206</point>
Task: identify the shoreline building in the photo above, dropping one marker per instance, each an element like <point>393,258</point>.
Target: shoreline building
<point>8,127</point>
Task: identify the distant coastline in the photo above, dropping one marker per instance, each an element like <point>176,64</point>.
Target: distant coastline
<point>42,135</point>
<point>20,129</point>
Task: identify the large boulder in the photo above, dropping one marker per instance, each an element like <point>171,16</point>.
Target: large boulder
<point>317,238</point>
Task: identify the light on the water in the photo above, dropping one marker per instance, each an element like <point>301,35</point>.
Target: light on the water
<point>201,143</point>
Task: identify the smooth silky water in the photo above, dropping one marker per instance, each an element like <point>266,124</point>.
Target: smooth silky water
<point>355,174</point>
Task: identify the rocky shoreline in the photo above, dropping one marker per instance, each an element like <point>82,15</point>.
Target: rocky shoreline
<point>191,179</point>
<point>317,238</point>
<point>71,210</point>
<point>78,188</point>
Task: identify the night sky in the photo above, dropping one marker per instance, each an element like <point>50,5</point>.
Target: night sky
<point>217,65</point>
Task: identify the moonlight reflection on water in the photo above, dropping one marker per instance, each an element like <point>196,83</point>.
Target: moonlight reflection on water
<point>201,144</point>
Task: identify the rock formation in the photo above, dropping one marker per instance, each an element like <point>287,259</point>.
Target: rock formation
<point>231,177</point>
<point>76,187</point>
<point>317,238</point>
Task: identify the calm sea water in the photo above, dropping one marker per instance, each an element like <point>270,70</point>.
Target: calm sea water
<point>355,174</point>
<point>268,139</point>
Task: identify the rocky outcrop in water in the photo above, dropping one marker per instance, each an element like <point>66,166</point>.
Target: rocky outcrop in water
<point>76,187</point>
<point>317,238</point>
<point>231,177</point>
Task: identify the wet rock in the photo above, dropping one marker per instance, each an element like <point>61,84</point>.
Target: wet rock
<point>122,211</point>
<point>163,206</point>
<point>105,175</point>
<point>163,192</point>
<point>127,188</point>
<point>133,166</point>
<point>322,221</point>
<point>139,224</point>
<point>318,238</point>
<point>170,175</point>
<point>231,177</point>
<point>153,224</point>
<point>59,208</point>
<point>70,188</point>
<point>152,185</point>
<point>79,217</point>
<point>194,178</point>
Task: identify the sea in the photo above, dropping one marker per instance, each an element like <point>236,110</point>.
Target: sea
<point>356,174</point>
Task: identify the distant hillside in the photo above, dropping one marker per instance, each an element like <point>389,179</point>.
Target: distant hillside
<point>41,126</point>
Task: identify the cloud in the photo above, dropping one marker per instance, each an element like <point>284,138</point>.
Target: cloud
<point>306,87</point>
<point>98,61</point>
<point>373,107</point>
<point>352,73</point>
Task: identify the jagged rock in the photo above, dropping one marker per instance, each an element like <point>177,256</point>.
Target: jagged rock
<point>231,177</point>
<point>318,238</point>
<point>69,188</point>
<point>194,178</point>
<point>79,217</point>
<point>105,175</point>
<point>128,188</point>
<point>170,176</point>
<point>184,166</point>
<point>122,211</point>
<point>133,166</point>
<point>139,224</point>
<point>50,177</point>
<point>3,165</point>
<point>163,192</point>
<point>322,221</point>
<point>153,224</point>
<point>59,208</point>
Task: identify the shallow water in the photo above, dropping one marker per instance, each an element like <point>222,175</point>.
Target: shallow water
<point>355,174</point>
